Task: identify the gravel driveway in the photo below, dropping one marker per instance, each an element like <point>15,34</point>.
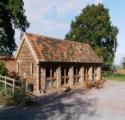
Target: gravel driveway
<point>107,103</point>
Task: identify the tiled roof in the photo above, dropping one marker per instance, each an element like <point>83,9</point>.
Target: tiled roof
<point>7,58</point>
<point>49,49</point>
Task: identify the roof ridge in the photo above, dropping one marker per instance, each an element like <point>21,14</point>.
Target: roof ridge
<point>56,39</point>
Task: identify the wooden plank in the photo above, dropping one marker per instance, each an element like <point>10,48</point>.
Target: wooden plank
<point>13,87</point>
<point>76,75</point>
<point>10,79</point>
<point>5,87</point>
<point>51,72</point>
<point>2,77</point>
<point>24,92</point>
<point>2,81</point>
<point>51,78</point>
<point>10,82</point>
<point>65,77</point>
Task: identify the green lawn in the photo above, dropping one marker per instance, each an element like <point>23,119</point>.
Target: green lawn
<point>119,77</point>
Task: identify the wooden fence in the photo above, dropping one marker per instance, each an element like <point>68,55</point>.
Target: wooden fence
<point>14,85</point>
<point>17,85</point>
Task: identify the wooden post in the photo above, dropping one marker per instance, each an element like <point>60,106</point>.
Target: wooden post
<point>43,78</point>
<point>65,76</point>
<point>71,76</point>
<point>98,72</point>
<point>36,85</point>
<point>13,87</point>
<point>5,86</point>
<point>58,77</point>
<point>23,92</point>
<point>82,75</point>
<point>90,73</point>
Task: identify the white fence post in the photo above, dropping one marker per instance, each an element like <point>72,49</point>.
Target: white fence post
<point>13,88</point>
<point>5,86</point>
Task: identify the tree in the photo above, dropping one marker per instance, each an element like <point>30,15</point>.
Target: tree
<point>11,17</point>
<point>93,26</point>
<point>123,63</point>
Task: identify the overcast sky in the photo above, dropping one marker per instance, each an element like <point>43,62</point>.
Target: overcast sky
<point>53,17</point>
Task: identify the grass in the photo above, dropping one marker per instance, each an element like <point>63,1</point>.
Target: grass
<point>118,77</point>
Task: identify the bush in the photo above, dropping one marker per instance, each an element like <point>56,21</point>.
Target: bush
<point>1,88</point>
<point>3,70</point>
<point>123,63</point>
<point>13,75</point>
<point>67,89</point>
<point>17,97</point>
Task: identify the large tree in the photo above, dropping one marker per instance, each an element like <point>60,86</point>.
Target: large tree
<point>11,17</point>
<point>93,26</point>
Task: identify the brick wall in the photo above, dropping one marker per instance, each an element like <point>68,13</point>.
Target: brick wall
<point>10,63</point>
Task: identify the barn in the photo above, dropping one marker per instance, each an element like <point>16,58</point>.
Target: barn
<point>50,63</point>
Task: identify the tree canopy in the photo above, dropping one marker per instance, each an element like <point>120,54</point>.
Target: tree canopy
<point>93,26</point>
<point>11,17</point>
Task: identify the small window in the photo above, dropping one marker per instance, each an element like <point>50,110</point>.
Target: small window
<point>32,68</point>
<point>76,75</point>
<point>50,76</point>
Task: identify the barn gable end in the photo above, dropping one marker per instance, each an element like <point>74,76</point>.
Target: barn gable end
<point>26,63</point>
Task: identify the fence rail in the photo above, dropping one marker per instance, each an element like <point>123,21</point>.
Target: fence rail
<point>17,84</point>
<point>14,84</point>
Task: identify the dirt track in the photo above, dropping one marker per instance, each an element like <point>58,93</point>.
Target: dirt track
<point>104,104</point>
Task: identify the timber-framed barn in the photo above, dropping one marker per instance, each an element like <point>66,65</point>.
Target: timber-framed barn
<point>50,63</point>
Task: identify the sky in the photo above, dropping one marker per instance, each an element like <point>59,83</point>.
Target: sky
<point>53,18</point>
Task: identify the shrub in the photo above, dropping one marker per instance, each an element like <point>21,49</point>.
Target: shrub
<point>123,63</point>
<point>13,75</point>
<point>3,70</point>
<point>67,89</point>
<point>17,97</point>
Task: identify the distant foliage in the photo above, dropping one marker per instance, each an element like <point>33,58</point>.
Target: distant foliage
<point>93,26</point>
<point>123,63</point>
<point>3,70</point>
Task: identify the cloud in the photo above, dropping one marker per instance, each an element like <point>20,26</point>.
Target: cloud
<point>46,15</point>
<point>65,7</point>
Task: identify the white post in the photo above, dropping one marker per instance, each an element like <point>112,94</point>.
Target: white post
<point>5,87</point>
<point>13,87</point>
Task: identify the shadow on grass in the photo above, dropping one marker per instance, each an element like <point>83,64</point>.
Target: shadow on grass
<point>65,106</point>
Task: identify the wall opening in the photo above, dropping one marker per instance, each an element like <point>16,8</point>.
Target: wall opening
<point>64,75</point>
<point>50,77</point>
<point>76,74</point>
